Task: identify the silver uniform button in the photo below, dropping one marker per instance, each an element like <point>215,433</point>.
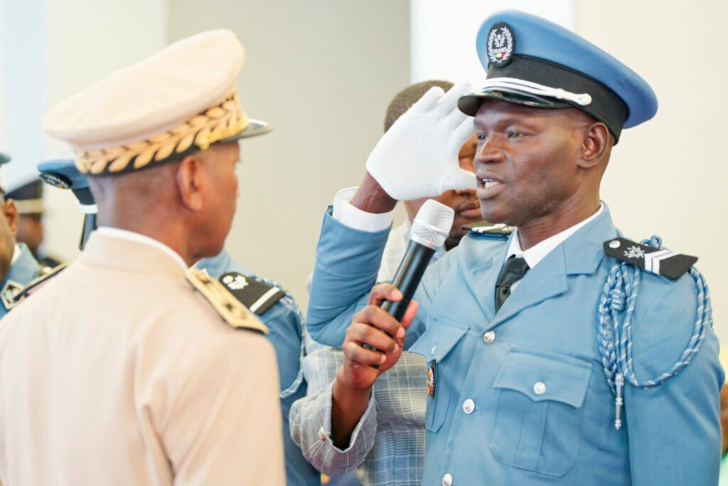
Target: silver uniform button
<point>434,348</point>
<point>468,406</point>
<point>539,388</point>
<point>447,480</point>
<point>489,337</point>
<point>614,244</point>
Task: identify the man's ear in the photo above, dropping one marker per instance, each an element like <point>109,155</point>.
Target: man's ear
<point>11,215</point>
<point>595,145</point>
<point>189,182</point>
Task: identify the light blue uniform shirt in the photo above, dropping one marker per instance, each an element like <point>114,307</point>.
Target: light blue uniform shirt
<point>520,395</point>
<point>285,324</point>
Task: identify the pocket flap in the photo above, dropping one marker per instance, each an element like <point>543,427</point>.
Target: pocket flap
<point>557,378</point>
<point>438,340</point>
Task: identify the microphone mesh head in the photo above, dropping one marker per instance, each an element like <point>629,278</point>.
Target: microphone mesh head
<point>432,224</point>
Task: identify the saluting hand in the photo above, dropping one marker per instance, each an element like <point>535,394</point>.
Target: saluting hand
<point>425,141</point>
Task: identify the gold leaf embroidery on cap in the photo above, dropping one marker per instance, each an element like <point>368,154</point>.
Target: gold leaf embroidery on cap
<point>215,124</point>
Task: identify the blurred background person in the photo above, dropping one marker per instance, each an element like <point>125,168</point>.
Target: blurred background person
<point>18,267</point>
<point>28,197</point>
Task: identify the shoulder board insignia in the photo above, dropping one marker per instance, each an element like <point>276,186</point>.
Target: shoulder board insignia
<point>485,228</point>
<point>257,296</point>
<point>35,284</point>
<point>659,261</point>
<point>230,309</point>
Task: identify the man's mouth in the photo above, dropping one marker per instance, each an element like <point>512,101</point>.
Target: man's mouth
<point>487,183</point>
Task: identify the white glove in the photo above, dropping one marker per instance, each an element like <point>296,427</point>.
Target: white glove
<point>418,156</point>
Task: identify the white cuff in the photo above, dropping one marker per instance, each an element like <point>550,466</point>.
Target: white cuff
<point>353,217</point>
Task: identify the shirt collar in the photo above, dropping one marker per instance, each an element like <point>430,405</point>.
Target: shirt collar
<point>143,239</point>
<point>16,254</point>
<point>538,252</point>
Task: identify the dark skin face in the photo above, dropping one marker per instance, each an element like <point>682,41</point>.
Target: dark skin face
<point>538,169</point>
<point>8,228</point>
<point>30,231</point>
<point>220,171</point>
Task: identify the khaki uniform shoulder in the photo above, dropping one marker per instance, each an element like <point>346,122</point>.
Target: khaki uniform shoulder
<point>232,311</point>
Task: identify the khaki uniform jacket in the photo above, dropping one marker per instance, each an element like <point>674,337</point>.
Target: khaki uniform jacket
<point>117,371</point>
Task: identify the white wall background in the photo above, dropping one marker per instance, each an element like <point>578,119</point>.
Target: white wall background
<point>323,71</point>
<point>23,57</point>
<point>3,70</point>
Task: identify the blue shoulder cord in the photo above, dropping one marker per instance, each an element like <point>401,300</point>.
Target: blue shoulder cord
<point>615,337</point>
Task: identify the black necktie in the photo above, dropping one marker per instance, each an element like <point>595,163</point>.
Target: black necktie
<point>513,271</point>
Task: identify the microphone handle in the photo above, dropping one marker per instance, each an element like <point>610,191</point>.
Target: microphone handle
<point>408,276</point>
<point>406,279</point>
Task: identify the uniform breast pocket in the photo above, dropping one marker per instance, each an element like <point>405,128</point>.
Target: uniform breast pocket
<point>539,413</point>
<point>437,345</point>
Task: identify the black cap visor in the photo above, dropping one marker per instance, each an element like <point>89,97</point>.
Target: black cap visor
<point>605,106</point>
<point>470,103</point>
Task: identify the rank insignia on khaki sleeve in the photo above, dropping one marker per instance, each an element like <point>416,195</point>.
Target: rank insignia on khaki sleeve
<point>659,261</point>
<point>230,309</point>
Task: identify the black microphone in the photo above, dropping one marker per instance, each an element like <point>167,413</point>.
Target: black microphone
<point>429,231</point>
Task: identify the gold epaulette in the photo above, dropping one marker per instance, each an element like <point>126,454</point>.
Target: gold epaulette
<point>230,309</point>
<point>32,286</point>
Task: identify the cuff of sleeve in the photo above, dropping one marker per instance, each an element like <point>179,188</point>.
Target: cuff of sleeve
<point>353,217</point>
<point>334,461</point>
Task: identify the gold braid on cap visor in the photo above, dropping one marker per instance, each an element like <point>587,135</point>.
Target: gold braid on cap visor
<point>202,130</point>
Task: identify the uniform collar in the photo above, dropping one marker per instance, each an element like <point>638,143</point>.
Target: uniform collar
<point>16,254</point>
<point>538,252</point>
<point>143,239</point>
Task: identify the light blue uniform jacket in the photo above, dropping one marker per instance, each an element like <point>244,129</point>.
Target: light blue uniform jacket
<point>533,406</point>
<point>24,270</point>
<point>285,324</point>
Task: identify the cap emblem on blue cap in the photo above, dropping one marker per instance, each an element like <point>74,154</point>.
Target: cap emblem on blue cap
<point>501,44</point>
<point>551,67</point>
<point>56,180</point>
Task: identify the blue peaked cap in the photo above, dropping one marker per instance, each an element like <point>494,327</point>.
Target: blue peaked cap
<point>62,173</point>
<point>536,62</point>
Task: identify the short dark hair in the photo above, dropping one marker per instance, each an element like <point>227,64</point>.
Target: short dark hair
<point>403,100</point>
